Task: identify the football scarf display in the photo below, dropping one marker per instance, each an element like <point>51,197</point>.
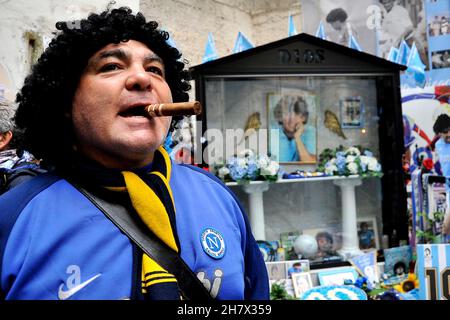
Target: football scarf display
<point>152,199</point>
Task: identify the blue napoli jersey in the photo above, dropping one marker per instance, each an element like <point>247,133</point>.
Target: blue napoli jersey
<point>433,261</point>
<point>55,244</point>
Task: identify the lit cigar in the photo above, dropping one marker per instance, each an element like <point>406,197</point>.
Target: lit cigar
<point>174,109</point>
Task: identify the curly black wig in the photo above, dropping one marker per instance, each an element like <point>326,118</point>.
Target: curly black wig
<point>46,96</point>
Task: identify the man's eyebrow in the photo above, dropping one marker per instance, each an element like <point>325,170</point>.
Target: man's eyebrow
<point>123,55</point>
<point>116,53</point>
<point>152,57</point>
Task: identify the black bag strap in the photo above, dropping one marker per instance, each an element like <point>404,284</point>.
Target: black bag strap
<point>190,286</point>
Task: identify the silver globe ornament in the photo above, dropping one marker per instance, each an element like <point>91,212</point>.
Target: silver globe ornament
<point>305,246</point>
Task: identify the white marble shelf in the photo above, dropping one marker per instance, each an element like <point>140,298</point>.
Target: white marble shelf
<point>255,190</point>
<point>312,179</point>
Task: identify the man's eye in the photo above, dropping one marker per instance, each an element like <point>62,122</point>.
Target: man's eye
<point>109,67</point>
<point>156,70</point>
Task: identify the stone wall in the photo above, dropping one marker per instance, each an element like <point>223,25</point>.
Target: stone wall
<point>24,20</point>
<point>190,21</point>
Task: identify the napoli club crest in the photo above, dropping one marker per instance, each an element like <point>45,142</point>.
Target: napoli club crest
<point>213,243</point>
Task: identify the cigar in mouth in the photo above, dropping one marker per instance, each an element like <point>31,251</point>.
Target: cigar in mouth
<point>174,109</point>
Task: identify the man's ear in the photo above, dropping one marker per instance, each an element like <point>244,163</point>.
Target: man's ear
<point>5,139</point>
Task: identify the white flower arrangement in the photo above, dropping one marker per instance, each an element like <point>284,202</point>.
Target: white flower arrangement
<point>247,166</point>
<point>350,161</point>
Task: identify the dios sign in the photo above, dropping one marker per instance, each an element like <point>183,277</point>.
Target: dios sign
<point>297,56</point>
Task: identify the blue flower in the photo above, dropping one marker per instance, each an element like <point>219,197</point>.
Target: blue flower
<point>248,166</point>
<point>363,166</point>
<point>237,173</point>
<point>368,153</point>
<point>351,161</point>
<point>232,162</point>
<point>340,164</point>
<point>252,169</point>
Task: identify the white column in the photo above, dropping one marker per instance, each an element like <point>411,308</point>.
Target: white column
<point>350,241</point>
<point>256,208</point>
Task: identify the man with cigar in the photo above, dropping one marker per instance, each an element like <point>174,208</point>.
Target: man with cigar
<point>82,109</point>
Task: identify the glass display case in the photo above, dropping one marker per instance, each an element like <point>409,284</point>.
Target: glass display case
<point>335,110</point>
<point>292,99</point>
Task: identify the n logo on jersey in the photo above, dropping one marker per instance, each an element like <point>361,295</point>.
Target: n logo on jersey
<point>213,243</point>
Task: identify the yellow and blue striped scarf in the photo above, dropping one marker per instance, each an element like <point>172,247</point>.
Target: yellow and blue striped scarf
<point>151,197</point>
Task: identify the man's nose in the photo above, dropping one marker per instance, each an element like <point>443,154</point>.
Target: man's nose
<point>139,80</point>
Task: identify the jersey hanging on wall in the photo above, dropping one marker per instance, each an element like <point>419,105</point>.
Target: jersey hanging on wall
<point>433,270</point>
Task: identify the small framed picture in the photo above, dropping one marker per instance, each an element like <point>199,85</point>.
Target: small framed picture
<point>276,270</point>
<point>396,260</point>
<point>302,282</point>
<point>366,265</point>
<point>368,233</point>
<point>352,112</point>
<point>337,276</point>
<point>296,266</point>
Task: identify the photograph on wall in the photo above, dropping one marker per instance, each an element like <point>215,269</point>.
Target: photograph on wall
<point>352,112</point>
<point>292,126</point>
<point>368,233</point>
<point>342,19</point>
<point>437,16</point>
<point>438,24</point>
<point>440,59</point>
<point>402,20</point>
<point>377,25</point>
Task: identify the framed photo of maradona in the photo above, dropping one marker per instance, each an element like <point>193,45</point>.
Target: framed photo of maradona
<point>292,117</point>
<point>352,112</point>
<point>368,233</point>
